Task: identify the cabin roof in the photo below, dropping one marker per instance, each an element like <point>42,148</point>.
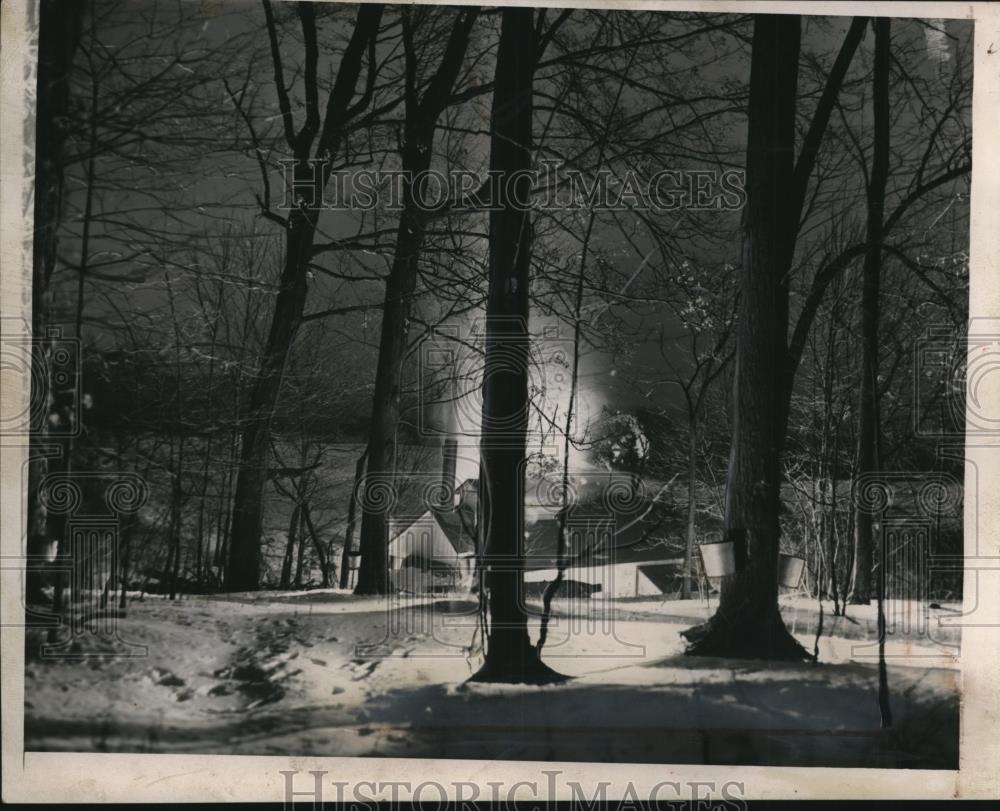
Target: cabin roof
<point>458,524</point>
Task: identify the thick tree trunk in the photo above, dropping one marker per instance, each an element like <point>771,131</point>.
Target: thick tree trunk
<point>297,528</point>
<point>747,623</point>
<point>243,573</point>
<point>510,656</point>
<point>420,125</point>
<point>201,562</point>
<point>225,502</point>
<point>322,556</point>
<point>59,35</point>
<point>248,502</point>
<point>399,289</point>
<point>286,564</point>
<point>868,422</point>
<point>352,511</point>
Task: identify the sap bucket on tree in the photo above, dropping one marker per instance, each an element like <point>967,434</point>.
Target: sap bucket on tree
<point>790,568</point>
<point>718,560</point>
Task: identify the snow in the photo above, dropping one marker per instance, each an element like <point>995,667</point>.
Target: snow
<point>327,673</point>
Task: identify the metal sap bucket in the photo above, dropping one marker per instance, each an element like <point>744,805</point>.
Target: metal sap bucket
<point>719,559</point>
<point>790,568</point>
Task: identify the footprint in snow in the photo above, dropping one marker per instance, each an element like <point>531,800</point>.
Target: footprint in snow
<point>363,668</point>
<point>165,678</point>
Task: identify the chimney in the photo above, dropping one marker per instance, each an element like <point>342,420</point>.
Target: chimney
<point>449,461</point>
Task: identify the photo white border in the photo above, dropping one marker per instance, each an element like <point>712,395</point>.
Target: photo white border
<point>90,777</point>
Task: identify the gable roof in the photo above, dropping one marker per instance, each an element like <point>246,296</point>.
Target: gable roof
<point>458,525</point>
<point>541,545</point>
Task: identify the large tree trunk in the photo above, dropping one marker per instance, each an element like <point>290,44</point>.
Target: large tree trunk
<point>352,510</point>
<point>372,575</point>
<point>747,623</point>
<point>201,562</point>
<point>248,502</point>
<point>245,554</point>
<point>420,125</point>
<point>868,421</point>
<point>322,555</point>
<point>59,35</point>
<point>298,529</point>
<point>286,564</point>
<point>510,656</point>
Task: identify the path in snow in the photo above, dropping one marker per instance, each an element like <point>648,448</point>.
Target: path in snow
<point>330,674</point>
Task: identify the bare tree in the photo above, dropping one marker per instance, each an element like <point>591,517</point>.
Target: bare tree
<point>326,135</point>
<point>747,622</point>
<point>510,656</point>
<point>420,124</point>
<point>59,35</point>
<point>869,432</point>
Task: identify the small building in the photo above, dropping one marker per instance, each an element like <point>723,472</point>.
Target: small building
<point>434,552</point>
<point>615,544</point>
<point>432,543</point>
<point>602,577</point>
<point>610,556</point>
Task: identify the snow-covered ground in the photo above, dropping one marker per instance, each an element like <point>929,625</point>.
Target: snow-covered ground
<point>327,673</point>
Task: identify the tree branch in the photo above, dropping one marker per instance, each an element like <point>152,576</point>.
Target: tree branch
<point>279,77</point>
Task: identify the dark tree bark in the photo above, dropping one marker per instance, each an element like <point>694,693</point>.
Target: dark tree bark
<point>221,556</point>
<point>60,26</point>
<point>399,289</point>
<point>176,512</point>
<point>692,507</point>
<point>243,573</point>
<point>418,138</point>
<point>322,555</point>
<point>747,622</point>
<point>868,390</point>
<point>510,656</point>
<point>126,547</point>
<point>286,564</point>
<point>125,536</point>
<point>800,184</point>
<point>177,463</point>
<point>297,529</point>
<point>352,510</point>
<point>201,562</point>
